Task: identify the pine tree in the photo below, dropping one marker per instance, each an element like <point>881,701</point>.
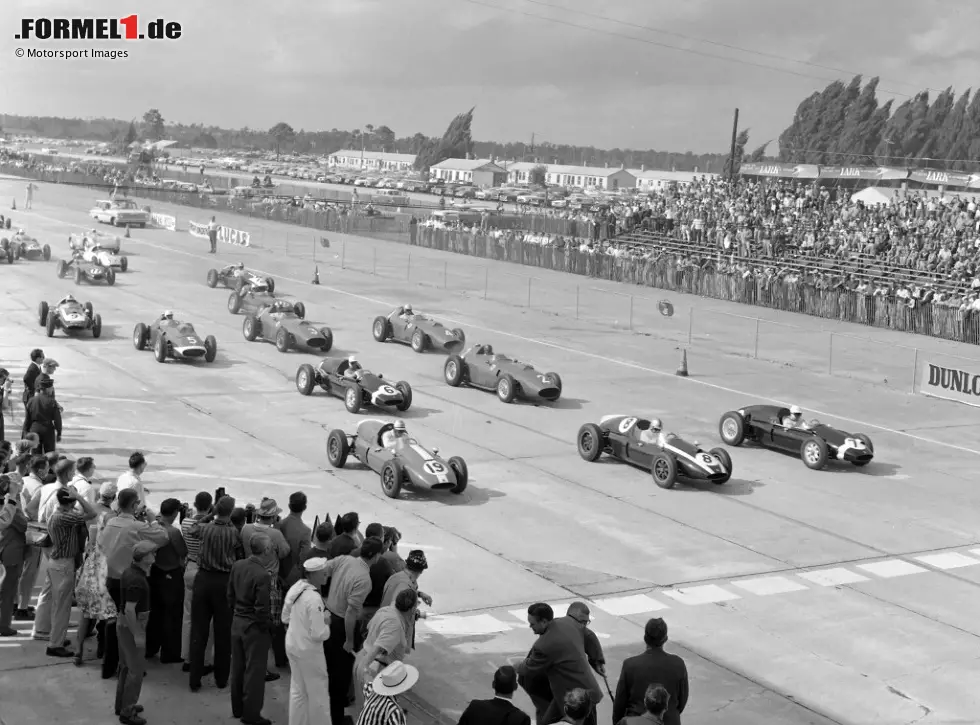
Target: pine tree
<point>960,150</point>
<point>456,143</point>
<point>915,132</point>
<point>759,154</point>
<point>932,126</point>
<point>831,123</point>
<point>731,166</point>
<point>889,150</point>
<point>875,129</point>
<point>946,135</point>
<point>854,143</point>
<point>795,140</point>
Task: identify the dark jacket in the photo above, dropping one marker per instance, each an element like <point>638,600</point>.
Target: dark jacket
<point>42,415</point>
<point>297,535</point>
<point>559,654</point>
<point>498,711</point>
<point>652,667</point>
<point>250,592</point>
<point>13,538</point>
<point>30,377</point>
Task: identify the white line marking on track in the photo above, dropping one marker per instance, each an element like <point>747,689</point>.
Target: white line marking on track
<point>768,585</point>
<point>153,433</point>
<point>707,594</point>
<point>949,560</point>
<point>892,569</point>
<point>597,356</point>
<point>625,606</point>
<point>104,398</point>
<point>466,625</point>
<point>264,481</point>
<point>833,577</point>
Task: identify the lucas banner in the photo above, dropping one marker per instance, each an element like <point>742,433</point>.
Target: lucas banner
<point>950,383</point>
<point>225,234</point>
<point>164,221</point>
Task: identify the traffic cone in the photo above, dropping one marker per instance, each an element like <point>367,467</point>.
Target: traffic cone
<point>13,203</point>
<point>316,275</point>
<point>127,232</point>
<point>682,370</point>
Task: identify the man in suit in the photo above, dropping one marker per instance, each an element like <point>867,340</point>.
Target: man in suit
<point>30,376</point>
<point>299,536</point>
<point>500,710</point>
<point>43,417</point>
<point>559,654</point>
<point>653,667</point>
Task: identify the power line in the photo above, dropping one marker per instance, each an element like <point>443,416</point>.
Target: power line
<point>666,46</point>
<point>882,156</point>
<point>714,42</point>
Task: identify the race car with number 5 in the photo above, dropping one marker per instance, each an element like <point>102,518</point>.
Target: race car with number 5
<point>634,440</point>
<point>344,378</point>
<point>170,338</point>
<point>387,450</point>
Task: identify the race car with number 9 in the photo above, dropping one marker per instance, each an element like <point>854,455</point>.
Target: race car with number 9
<point>666,456</point>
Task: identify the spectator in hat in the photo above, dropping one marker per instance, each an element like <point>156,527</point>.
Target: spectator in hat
<point>134,610</point>
<point>501,709</point>
<point>249,598</point>
<point>656,700</point>
<point>408,579</point>
<point>43,417</point>
<point>48,368</point>
<point>30,375</point>
<point>167,589</point>
<point>308,628</point>
<point>652,667</point>
<point>381,706</point>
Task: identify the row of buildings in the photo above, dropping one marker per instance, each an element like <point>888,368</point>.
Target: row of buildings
<point>494,172</point>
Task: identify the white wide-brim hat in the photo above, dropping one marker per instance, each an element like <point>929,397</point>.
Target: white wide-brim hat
<point>395,679</point>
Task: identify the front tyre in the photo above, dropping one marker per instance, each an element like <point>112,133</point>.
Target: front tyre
<point>282,340</point>
<point>42,314</point>
<point>506,388</point>
<point>251,328</point>
<point>212,278</point>
<point>461,472</point>
<point>590,442</point>
<point>210,348</point>
<point>140,336</point>
<point>328,336</point>
<point>160,349</point>
<point>663,469</point>
<point>337,448</point>
<point>814,453</point>
<point>97,327</point>
<point>305,379</point>
<point>419,341</point>
<point>380,329</point>
<point>353,398</point>
<point>726,460</point>
<point>391,479</point>
<point>453,371</point>
<point>406,390</point>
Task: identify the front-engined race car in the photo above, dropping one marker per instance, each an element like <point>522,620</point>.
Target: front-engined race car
<point>252,299</point>
<point>815,443</point>
<point>398,460</point>
<point>174,339</point>
<point>479,367</point>
<point>279,322</point>
<point>83,271</point>
<point>235,277</point>
<point>630,439</point>
<point>367,389</point>
<point>69,315</point>
<point>420,331</point>
<point>120,213</point>
<point>105,257</point>
<point>92,238</point>
<point>24,246</point>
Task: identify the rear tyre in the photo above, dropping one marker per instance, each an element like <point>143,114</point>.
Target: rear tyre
<point>380,329</point>
<point>97,327</point>
<point>42,314</point>
<point>62,268</point>
<point>353,398</point>
<point>305,379</point>
<point>814,453</point>
<point>337,448</point>
<point>210,348</point>
<point>160,349</point>
<point>663,469</point>
<point>271,283</point>
<point>506,388</point>
<point>453,371</point>
<point>212,278</point>
<point>731,429</point>
<point>462,474</point>
<point>282,340</point>
<point>110,277</point>
<point>406,390</point>
<point>46,252</point>
<point>722,455</point>
<point>391,479</point>
<point>234,303</point>
<point>140,336</point>
<point>590,442</point>
<point>124,263</point>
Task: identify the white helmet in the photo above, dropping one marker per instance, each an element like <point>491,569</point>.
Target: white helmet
<point>795,411</point>
<point>400,425</point>
<point>241,265</point>
<point>168,314</point>
<point>656,425</point>
<point>352,360</point>
<point>408,308</point>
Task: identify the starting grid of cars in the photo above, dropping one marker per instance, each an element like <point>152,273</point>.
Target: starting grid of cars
<point>382,446</point>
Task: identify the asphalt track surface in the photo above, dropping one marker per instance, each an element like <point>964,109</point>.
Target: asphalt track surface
<point>840,596</point>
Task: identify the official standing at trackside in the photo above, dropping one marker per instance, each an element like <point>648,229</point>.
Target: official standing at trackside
<point>308,628</point>
<point>221,547</point>
<point>350,583</point>
<point>131,627</point>
<point>30,375</point>
<point>43,417</point>
<point>189,529</point>
<point>167,589</point>
<point>250,598</point>
<point>213,235</point>
<point>653,667</point>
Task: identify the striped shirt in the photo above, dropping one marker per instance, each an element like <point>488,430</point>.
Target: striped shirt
<point>380,710</point>
<point>221,546</point>
<point>190,528</point>
<point>65,530</point>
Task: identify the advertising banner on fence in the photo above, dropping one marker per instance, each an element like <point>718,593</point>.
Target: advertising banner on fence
<point>950,383</point>
<point>164,221</point>
<point>225,234</point>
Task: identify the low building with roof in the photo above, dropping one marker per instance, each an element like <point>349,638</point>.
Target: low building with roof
<point>658,179</point>
<point>590,177</point>
<point>479,172</point>
<point>370,160</point>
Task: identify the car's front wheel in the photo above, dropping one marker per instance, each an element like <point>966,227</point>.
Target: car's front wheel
<point>663,469</point>
<point>814,453</point>
<point>461,472</point>
<point>337,448</point>
<point>590,442</point>
<point>353,398</point>
<point>391,479</point>
<point>305,379</point>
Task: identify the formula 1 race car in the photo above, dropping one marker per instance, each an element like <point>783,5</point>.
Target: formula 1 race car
<point>667,457</point>
<point>84,271</point>
<point>479,367</point>
<point>105,257</point>
<point>252,299</point>
<point>279,321</point>
<point>235,277</point>
<point>69,315</point>
<point>419,331</point>
<point>397,459</point>
<point>25,246</point>
<point>360,391</point>
<point>814,442</point>
<point>95,238</point>
<point>170,338</point>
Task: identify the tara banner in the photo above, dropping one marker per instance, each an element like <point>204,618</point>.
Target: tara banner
<point>164,221</point>
<point>959,383</point>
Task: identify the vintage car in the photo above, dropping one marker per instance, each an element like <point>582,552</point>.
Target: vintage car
<point>418,330</point>
<point>84,271</point>
<point>235,277</point>
<point>479,367</point>
<point>279,322</point>
<point>174,339</point>
<point>120,213</point>
<point>5,222</point>
<point>251,299</point>
<point>814,442</point>
<point>630,439</point>
<point>105,257</point>
<point>364,390</point>
<point>24,246</point>
<point>398,460</point>
<point>94,238</point>
<point>69,315</point>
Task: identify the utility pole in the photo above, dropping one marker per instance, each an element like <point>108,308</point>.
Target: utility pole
<point>731,154</point>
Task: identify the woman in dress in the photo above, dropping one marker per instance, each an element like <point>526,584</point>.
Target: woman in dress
<point>94,602</point>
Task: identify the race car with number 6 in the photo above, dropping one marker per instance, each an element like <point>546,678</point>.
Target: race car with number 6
<point>344,378</point>
<point>640,442</point>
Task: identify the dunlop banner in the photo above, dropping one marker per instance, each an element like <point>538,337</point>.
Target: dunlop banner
<point>949,382</point>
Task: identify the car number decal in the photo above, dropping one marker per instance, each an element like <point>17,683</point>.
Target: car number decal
<point>434,467</point>
<point>706,458</point>
<point>192,340</point>
<point>626,424</point>
<point>387,390</point>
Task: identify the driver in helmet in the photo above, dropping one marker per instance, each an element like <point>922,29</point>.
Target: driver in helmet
<point>654,434</point>
<point>795,418</point>
<point>68,299</point>
<point>167,315</point>
<point>353,369</point>
<point>390,438</point>
<point>405,311</point>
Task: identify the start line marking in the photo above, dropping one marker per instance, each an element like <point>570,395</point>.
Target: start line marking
<point>263,481</point>
<point>583,353</point>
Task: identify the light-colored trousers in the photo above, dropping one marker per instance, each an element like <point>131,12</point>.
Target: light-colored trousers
<point>309,699</point>
<point>28,577</point>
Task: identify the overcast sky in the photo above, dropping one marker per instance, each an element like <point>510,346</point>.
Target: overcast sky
<point>413,64</point>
